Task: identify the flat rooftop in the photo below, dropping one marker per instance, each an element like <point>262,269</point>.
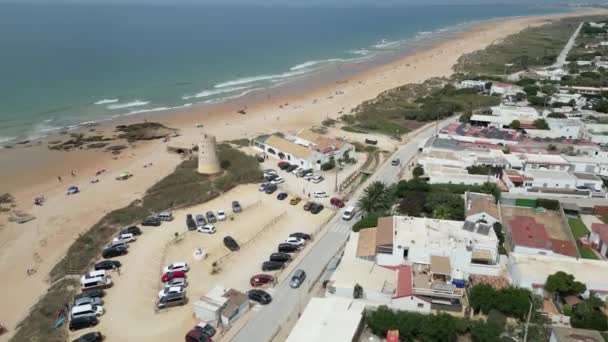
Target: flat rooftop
<point>328,319</point>
<point>550,174</point>
<point>586,176</point>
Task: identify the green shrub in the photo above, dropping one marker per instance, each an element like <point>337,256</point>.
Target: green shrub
<point>368,221</point>
<point>549,204</point>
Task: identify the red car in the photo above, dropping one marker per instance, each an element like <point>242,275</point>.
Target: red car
<point>336,202</point>
<point>168,276</point>
<point>261,279</point>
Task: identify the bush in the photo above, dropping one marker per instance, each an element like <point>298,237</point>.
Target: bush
<point>541,124</point>
<point>511,301</point>
<point>549,204</point>
<point>368,221</point>
<point>418,171</point>
<point>328,166</point>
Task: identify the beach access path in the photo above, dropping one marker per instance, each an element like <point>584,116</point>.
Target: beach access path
<point>561,59</point>
<point>267,323</point>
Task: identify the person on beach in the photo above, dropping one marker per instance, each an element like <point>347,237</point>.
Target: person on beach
<point>59,178</point>
<point>73,173</point>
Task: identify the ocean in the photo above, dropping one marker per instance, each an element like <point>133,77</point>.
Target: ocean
<point>62,65</point>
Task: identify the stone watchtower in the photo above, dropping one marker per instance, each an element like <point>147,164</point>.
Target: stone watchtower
<point>208,162</point>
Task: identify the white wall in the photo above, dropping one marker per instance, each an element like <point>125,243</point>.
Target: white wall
<point>468,179</point>
<point>530,250</point>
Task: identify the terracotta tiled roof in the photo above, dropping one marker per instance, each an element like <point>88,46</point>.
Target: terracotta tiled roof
<point>563,247</point>
<point>525,231</point>
<point>404,281</point>
<point>384,231</point>
<point>366,246</point>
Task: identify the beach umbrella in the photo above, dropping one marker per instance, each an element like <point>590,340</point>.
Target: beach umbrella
<point>73,188</point>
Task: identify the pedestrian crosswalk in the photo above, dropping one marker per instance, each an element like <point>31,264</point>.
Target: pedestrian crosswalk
<point>340,228</point>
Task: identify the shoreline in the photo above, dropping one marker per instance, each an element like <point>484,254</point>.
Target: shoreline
<point>31,171</point>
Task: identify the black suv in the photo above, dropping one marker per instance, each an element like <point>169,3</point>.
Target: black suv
<point>113,252</point>
<point>280,257</point>
<point>107,265</point>
<point>271,188</point>
<point>92,293</point>
<point>287,248</point>
<point>259,296</point>
<point>151,221</point>
<point>83,322</point>
<point>131,230</point>
<point>272,265</point>
<point>190,223</point>
<point>299,235</point>
<point>316,208</point>
<point>90,337</point>
<point>231,244</point>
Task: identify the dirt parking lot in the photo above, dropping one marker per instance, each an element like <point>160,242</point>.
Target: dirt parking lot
<point>130,303</point>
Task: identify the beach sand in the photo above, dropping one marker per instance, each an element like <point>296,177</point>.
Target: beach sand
<point>31,171</point>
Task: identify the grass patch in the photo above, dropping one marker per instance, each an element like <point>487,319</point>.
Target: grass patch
<point>537,46</point>
<point>587,253</point>
<point>353,129</point>
<point>578,228</point>
<point>39,325</point>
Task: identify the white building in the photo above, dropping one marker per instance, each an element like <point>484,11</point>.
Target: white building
<point>596,25</point>
<point>588,181</point>
<point>563,334</point>
<point>306,149</point>
<point>329,319</point>
<point>531,272</point>
<point>558,128</point>
<point>549,179</point>
<point>221,306</point>
<point>578,100</point>
<point>598,236</point>
<point>472,84</point>
<point>481,208</point>
<point>552,162</point>
<point>440,174</point>
<point>551,74</point>
<point>499,88</point>
<point>380,285</point>
<point>596,165</point>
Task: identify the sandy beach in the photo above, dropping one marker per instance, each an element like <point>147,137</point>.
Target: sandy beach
<point>31,171</point>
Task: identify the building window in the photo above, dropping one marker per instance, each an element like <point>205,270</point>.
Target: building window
<point>406,251</point>
<point>420,305</point>
<point>288,157</point>
<point>271,151</point>
<point>545,185</point>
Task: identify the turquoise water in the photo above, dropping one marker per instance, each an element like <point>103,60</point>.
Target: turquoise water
<point>63,65</point>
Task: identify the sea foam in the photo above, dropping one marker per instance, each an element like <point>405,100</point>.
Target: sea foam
<point>135,103</point>
<point>106,101</point>
<point>254,79</point>
<point>207,93</point>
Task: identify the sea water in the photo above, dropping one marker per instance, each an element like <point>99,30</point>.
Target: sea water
<point>62,65</point>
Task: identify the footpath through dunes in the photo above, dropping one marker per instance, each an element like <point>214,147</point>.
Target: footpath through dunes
<point>264,222</point>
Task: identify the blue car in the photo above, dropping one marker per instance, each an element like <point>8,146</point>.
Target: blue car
<point>282,196</point>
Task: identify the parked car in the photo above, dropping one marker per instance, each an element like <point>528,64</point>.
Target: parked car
<point>280,257</point>
<point>117,243</point>
<point>371,141</point>
<point>236,207</point>
<point>190,222</point>
<point>336,202</point>
<point>206,328</point>
<point>277,181</point>
<point>207,229</point>
<point>168,276</point>
<point>283,165</point>
<point>307,205</point>
<point>261,279</point>
<point>90,337</point>
<point>87,310</point>
<point>83,322</point>
<point>270,172</point>
<point>291,168</point>
<point>94,293</point>
<point>287,248</point>
<point>303,172</point>
<point>270,177</point>
<point>295,200</point>
<point>151,221</point>
<point>199,221</point>
<point>316,208</point>
<point>101,282</point>
<point>177,266</point>
<point>295,241</point>
<point>126,237</point>
<point>317,179</point>
<point>131,230</point>
<point>92,274</point>
<point>297,278</point>
<point>263,186</point>
<point>211,217</point>
<point>175,299</point>
<point>165,216</point>
<point>113,252</point>
<point>272,266</point>
<point>299,235</point>
<point>231,244</point>
<point>281,196</point>
<point>221,215</point>
<point>179,282</point>
<point>395,162</point>
<point>296,170</point>
<point>169,291</point>
<point>107,265</point>
<point>259,296</point>
<point>320,194</point>
<point>270,189</point>
<point>87,301</point>
<point>309,176</point>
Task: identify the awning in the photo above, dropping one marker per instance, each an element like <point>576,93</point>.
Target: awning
<point>482,255</point>
<point>440,265</point>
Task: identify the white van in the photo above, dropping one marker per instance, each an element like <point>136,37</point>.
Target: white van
<point>165,216</point>
<point>348,213</point>
<point>87,310</point>
<point>100,282</point>
<point>92,274</point>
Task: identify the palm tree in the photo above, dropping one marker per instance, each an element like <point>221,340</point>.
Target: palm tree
<point>376,198</point>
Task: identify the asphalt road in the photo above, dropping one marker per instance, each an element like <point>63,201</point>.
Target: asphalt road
<point>264,324</point>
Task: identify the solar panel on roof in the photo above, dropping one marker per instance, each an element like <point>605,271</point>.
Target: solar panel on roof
<point>483,229</point>
<point>468,226</point>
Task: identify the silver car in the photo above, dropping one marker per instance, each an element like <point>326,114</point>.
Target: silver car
<point>88,300</point>
<point>297,278</point>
